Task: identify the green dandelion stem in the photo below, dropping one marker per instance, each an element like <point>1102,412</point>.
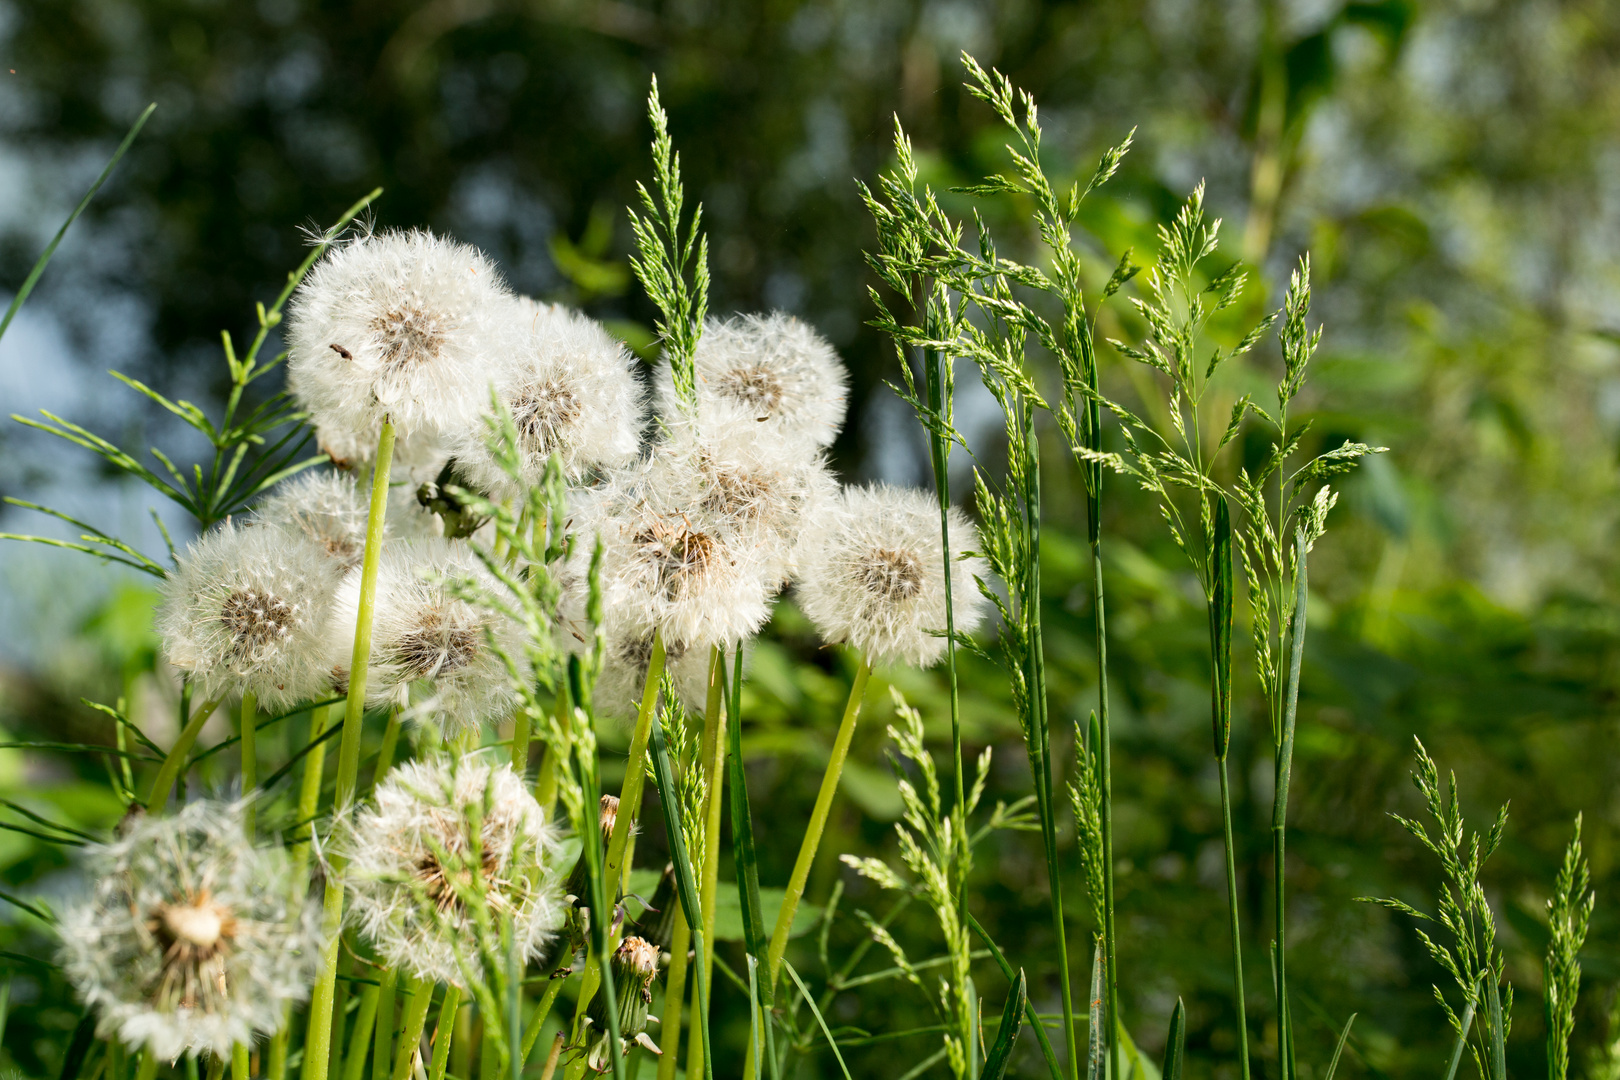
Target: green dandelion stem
<point>171,767</point>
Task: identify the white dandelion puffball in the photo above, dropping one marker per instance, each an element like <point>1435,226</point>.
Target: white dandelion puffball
<point>572,391</point>
<point>327,508</point>
<point>403,325</point>
<point>874,575</point>
<point>415,459</point>
<point>422,631</point>
<point>769,373</point>
<point>247,610</point>
<point>188,940</point>
<point>667,570</point>
<point>416,858</point>
<point>624,671</point>
<point>753,493</point>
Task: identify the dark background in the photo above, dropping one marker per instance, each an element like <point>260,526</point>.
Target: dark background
<point>1451,167</point>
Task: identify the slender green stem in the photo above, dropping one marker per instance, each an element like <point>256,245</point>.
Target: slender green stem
<point>1105,772</point>
<point>172,764</point>
<point>1040,735</point>
<point>240,1063</point>
<point>680,944</point>
<point>444,1032</point>
<point>713,747</point>
<point>148,1068</point>
<point>365,1018</point>
<point>818,823</point>
<point>545,785</point>
<point>250,761</point>
<point>383,1036</point>
<point>419,995</point>
<point>318,1036</point>
<point>542,1013</point>
<point>1279,811</point>
<point>635,776</point>
<point>1237,934</point>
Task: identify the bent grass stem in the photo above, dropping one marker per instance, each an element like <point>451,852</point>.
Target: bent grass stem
<point>170,769</point>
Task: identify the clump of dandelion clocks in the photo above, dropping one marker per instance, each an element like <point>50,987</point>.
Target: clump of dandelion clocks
<point>422,630</point>
<point>247,609</point>
<point>874,575</point>
<point>188,940</point>
<point>403,325</point>
<point>771,372</point>
<point>572,391</point>
<point>438,839</point>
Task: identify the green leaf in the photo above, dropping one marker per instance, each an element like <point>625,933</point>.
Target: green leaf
<point>1029,1006</point>
<point>50,249</point>
<point>84,1037</point>
<point>1175,1044</point>
<point>810,1001</point>
<point>1333,1065</point>
<point>730,916</point>
<point>995,1064</point>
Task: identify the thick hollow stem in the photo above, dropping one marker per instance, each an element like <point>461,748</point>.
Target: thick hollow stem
<point>444,1032</point>
<point>542,1013</point>
<point>818,823</point>
<point>354,1063</point>
<point>250,767</point>
<point>714,747</point>
<point>170,769</point>
<point>383,1037</point>
<point>1237,934</point>
<point>318,1037</point>
<point>675,998</point>
<point>241,1067</point>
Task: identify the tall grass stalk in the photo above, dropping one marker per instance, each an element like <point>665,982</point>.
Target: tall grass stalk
<point>715,746</point>
<point>318,1035</point>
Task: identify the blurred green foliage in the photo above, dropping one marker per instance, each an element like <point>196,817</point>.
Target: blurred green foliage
<point>1450,167</point>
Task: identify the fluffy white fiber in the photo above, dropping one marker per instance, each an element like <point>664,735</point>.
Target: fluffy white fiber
<point>414,855</point>
<point>772,373</point>
<point>572,391</point>
<point>247,610</point>
<point>873,575</point>
<point>189,940</point>
<point>405,325</point>
<point>423,632</point>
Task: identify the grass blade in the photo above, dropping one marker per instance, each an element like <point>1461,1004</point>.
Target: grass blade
<point>84,1037</point>
<point>1029,1006</point>
<point>1175,1044</point>
<point>1344,1037</point>
<point>995,1065</point>
<point>685,882</point>
<point>50,249</point>
<point>742,833</point>
<point>808,1000</point>
<point>1462,1039</point>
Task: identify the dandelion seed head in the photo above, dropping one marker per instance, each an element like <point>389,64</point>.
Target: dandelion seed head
<point>572,391</point>
<point>666,569</point>
<point>435,834</point>
<point>247,609</point>
<point>404,325</point>
<point>873,575</point>
<point>772,372</point>
<point>188,940</point>
<point>422,631</point>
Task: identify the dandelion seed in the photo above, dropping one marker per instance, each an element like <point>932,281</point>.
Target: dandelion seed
<point>188,941</point>
<point>769,372</point>
<point>404,325</point>
<point>247,610</point>
<point>438,839</point>
<point>423,632</point>
<point>873,575</point>
<point>572,391</point>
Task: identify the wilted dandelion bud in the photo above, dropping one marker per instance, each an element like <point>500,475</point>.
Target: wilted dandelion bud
<point>437,838</point>
<point>422,631</point>
<point>188,941</point>
<point>403,325</point>
<point>572,391</point>
<point>771,373</point>
<point>635,965</point>
<point>873,575</point>
<point>247,610</point>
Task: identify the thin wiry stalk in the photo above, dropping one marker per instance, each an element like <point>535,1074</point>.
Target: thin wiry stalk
<point>715,746</point>
<point>170,770</point>
<point>318,1035</point>
<point>1279,814</point>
